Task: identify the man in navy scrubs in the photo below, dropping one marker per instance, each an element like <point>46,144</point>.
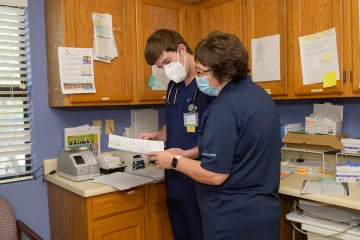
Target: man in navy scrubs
<point>185,104</point>
<point>238,175</point>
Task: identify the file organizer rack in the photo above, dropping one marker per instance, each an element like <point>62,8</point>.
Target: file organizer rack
<point>345,154</point>
<point>305,150</point>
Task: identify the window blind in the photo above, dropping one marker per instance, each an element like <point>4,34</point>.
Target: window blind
<point>16,144</point>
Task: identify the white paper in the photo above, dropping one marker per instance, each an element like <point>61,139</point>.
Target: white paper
<point>103,35</point>
<point>266,58</point>
<point>134,145</point>
<point>331,188</point>
<point>104,41</point>
<point>161,80</point>
<point>76,70</point>
<point>83,136</point>
<point>319,56</point>
<point>122,181</point>
<point>149,172</point>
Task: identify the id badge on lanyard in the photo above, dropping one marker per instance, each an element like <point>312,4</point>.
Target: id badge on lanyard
<point>191,121</point>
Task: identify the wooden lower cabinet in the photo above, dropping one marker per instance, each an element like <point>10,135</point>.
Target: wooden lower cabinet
<point>139,213</point>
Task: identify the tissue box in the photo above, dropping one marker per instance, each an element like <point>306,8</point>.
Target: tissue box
<point>325,119</point>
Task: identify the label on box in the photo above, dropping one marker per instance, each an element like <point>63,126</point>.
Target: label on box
<point>346,173</point>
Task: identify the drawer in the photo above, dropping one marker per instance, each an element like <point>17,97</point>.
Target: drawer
<point>160,192</point>
<point>115,203</point>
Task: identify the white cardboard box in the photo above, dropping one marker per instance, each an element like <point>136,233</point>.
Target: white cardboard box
<point>325,119</point>
<point>346,173</point>
<point>351,145</point>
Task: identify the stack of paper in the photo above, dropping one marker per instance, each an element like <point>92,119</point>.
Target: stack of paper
<point>83,137</point>
<point>105,48</point>
<point>122,180</point>
<point>149,172</point>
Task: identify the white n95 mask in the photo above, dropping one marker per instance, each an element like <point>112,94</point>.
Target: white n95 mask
<point>175,70</point>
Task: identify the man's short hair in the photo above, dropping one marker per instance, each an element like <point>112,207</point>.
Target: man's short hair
<point>163,40</point>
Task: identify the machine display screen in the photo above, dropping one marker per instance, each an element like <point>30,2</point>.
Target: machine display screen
<point>79,159</point>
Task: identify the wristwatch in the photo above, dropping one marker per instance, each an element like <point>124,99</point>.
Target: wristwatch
<point>175,161</point>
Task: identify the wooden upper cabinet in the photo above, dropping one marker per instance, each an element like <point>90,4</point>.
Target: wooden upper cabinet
<point>69,24</point>
<point>264,18</point>
<point>310,17</point>
<point>150,16</point>
<point>222,15</point>
<point>355,40</point>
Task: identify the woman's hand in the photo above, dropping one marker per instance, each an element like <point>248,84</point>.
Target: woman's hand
<point>162,159</point>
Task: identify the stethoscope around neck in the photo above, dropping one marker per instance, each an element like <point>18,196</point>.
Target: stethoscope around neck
<point>192,107</point>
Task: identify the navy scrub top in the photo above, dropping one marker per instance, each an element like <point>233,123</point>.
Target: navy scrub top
<point>239,135</point>
<point>179,185</point>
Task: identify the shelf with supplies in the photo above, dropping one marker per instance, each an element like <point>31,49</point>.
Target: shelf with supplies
<point>306,150</point>
<point>345,154</point>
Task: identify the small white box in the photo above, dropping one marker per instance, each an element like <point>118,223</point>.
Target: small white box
<point>351,145</point>
<point>347,173</point>
<point>325,119</point>
<point>290,127</point>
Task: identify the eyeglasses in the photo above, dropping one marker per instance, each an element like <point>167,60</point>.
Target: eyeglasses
<point>199,73</point>
<point>174,102</point>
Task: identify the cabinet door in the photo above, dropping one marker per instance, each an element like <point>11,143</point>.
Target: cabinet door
<point>163,226</point>
<point>355,78</point>
<point>113,81</point>
<point>128,229</point>
<point>264,18</point>
<point>222,15</point>
<point>310,17</point>
<point>152,15</point>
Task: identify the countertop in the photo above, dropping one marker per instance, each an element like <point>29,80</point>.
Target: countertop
<point>288,186</point>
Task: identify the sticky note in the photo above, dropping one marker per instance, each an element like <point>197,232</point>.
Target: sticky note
<point>151,81</point>
<point>329,79</point>
<point>326,57</point>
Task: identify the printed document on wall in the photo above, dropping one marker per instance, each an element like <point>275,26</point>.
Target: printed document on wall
<point>161,80</point>
<point>76,70</point>
<point>104,41</point>
<point>319,57</point>
<point>266,58</point>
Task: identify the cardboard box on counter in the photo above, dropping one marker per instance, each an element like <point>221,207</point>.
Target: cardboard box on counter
<point>325,119</point>
<point>315,142</point>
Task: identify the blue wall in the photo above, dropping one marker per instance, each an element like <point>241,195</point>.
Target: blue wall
<point>29,198</point>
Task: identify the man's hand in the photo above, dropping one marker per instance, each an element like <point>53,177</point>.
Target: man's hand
<point>148,136</point>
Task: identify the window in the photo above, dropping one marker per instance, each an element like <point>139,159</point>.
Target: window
<point>16,154</point>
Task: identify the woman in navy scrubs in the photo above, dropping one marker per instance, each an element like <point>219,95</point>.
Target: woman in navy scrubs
<point>237,177</point>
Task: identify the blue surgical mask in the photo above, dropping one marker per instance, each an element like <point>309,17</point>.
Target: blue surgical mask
<point>204,86</point>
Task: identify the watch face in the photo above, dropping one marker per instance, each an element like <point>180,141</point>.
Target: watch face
<point>174,162</point>
<point>192,107</point>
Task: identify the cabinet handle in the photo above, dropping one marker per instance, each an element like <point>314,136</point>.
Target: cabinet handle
<point>351,76</point>
<point>344,76</point>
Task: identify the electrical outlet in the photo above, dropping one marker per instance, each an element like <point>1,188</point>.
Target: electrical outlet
<point>109,126</point>
<point>98,123</point>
